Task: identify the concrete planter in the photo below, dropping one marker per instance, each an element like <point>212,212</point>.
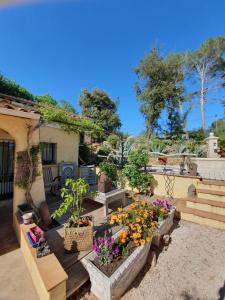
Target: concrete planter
<point>163,228</point>
<point>113,287</point>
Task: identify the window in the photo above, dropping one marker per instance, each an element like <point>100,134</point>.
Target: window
<point>48,153</point>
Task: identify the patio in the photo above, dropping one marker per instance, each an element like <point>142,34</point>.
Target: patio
<point>203,277</point>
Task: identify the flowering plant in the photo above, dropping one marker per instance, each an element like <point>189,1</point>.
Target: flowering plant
<point>106,249</point>
<point>140,223</point>
<point>162,208</point>
<point>163,203</point>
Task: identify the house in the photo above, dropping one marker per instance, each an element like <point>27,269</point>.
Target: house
<point>57,146</point>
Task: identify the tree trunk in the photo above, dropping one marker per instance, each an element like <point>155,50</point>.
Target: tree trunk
<point>202,99</point>
<point>183,119</point>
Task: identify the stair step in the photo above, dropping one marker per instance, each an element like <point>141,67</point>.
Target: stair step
<point>211,194</point>
<point>199,216</point>
<point>206,201</point>
<point>218,185</point>
<point>213,182</point>
<point>211,206</point>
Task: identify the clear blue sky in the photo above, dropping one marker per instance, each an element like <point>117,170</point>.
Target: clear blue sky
<point>60,47</point>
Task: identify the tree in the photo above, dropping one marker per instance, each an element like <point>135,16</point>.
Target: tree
<point>98,106</point>
<point>46,98</point>
<point>206,66</point>
<point>160,86</point>
<point>10,87</point>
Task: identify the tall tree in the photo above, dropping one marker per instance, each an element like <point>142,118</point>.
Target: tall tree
<point>206,66</point>
<point>160,87</point>
<point>98,106</point>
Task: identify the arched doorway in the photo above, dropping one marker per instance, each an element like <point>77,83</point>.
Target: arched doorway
<point>8,239</point>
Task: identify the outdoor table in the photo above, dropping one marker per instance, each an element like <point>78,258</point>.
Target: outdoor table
<point>112,196</point>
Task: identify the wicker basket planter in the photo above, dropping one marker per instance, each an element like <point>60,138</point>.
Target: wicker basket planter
<point>163,228</point>
<point>78,238</point>
<point>113,287</point>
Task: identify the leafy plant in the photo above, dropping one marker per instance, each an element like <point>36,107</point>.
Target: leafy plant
<point>113,140</point>
<point>110,170</point>
<point>134,170</point>
<point>72,195</point>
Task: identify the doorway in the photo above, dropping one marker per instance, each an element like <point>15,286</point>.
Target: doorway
<point>8,241</point>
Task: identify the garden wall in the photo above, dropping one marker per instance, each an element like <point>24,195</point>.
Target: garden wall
<point>209,163</point>
<point>180,184</point>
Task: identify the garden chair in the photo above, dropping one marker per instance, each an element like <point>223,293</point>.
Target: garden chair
<point>67,170</point>
<point>89,174</point>
<point>49,182</point>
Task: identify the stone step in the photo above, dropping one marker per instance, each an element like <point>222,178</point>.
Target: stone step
<point>211,195</point>
<point>199,216</point>
<point>213,185</point>
<point>216,207</point>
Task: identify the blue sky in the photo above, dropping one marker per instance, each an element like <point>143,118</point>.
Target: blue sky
<point>60,47</point>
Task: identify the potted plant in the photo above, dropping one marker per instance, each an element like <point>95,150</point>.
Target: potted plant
<point>116,261</point>
<point>78,229</point>
<point>165,211</point>
<point>107,177</point>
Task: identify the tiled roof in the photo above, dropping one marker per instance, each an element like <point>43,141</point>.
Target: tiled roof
<point>16,103</point>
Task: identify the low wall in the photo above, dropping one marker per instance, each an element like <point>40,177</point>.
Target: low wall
<point>209,163</point>
<point>180,184</point>
<point>47,274</point>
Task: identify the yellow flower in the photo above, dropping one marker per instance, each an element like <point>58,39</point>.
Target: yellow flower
<point>142,242</point>
<point>120,209</point>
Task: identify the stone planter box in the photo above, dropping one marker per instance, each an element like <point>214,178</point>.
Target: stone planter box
<point>113,287</point>
<point>163,228</point>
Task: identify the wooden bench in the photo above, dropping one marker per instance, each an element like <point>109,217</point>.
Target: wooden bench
<point>112,196</point>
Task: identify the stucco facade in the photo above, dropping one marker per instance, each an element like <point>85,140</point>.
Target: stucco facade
<point>67,145</point>
<point>13,126</point>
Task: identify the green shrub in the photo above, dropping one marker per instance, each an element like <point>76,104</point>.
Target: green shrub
<point>113,140</point>
<point>110,170</point>
<point>135,172</point>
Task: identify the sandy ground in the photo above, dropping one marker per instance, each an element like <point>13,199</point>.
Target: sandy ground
<point>15,281</point>
<point>191,268</point>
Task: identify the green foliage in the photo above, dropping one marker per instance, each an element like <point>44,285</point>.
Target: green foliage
<point>197,135</point>
<point>135,174</point>
<point>161,86</point>
<point>10,87</point>
<point>218,127</point>
<point>98,106</point>
<point>113,140</point>
<point>110,170</point>
<point>157,145</point>
<point>67,120</point>
<point>46,98</point>
<point>66,105</point>
<point>72,195</point>
<point>104,149</point>
<point>138,158</point>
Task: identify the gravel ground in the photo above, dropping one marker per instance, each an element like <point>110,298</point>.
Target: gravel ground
<point>192,267</point>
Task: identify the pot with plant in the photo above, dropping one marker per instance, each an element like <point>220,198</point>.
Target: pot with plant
<point>165,210</point>
<point>116,260</point>
<point>107,177</point>
<point>78,229</point>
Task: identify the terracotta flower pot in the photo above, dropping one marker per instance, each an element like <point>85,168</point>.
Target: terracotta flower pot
<point>104,184</point>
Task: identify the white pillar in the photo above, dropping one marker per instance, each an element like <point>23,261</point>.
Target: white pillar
<point>212,146</point>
